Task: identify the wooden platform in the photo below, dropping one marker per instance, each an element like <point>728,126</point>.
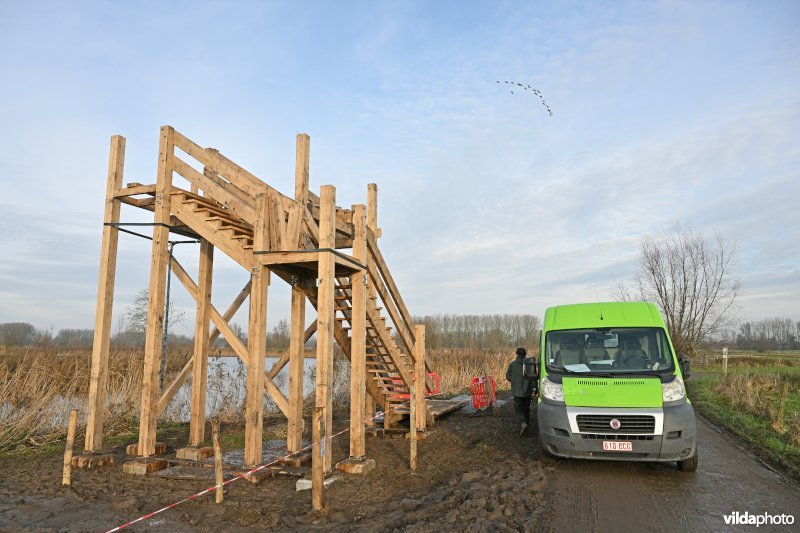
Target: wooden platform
<point>438,407</point>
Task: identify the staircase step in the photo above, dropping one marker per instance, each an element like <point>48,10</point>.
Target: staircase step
<point>225,221</point>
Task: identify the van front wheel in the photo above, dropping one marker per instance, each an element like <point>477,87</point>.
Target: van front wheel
<point>544,455</point>
<point>688,465</point>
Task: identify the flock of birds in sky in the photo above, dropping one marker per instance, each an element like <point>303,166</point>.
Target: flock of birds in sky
<point>535,91</point>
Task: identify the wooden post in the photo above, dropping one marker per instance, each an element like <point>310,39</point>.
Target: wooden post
<point>256,342</point>
<point>387,414</point>
<point>297,342</point>
<point>217,459</point>
<point>294,436</point>
<point>778,424</point>
<point>318,453</point>
<point>412,422</point>
<point>155,308</point>
<point>301,173</point>
<point>358,339</point>
<point>369,409</point>
<point>326,312</point>
<point>372,209</point>
<point>66,477</point>
<point>105,298</point>
<point>200,370</point>
<point>419,382</point>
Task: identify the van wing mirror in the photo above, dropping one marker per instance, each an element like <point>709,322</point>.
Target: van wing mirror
<point>686,367</point>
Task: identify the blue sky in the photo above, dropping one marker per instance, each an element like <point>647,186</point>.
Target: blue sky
<point>665,112</point>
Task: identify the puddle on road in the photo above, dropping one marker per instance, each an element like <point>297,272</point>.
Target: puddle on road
<point>469,410</point>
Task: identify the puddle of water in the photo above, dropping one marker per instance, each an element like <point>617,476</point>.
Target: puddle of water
<point>271,450</point>
<point>468,409</point>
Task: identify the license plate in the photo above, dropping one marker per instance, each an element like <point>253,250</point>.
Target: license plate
<point>617,446</point>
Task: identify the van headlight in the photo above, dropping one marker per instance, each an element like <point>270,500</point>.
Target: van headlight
<point>552,391</point>
<point>673,390</point>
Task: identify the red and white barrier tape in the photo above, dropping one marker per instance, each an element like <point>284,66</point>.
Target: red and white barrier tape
<point>245,474</point>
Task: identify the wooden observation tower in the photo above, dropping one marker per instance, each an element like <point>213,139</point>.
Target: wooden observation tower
<point>295,239</point>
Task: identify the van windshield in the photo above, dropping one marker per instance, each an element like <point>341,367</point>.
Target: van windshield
<point>608,350</point>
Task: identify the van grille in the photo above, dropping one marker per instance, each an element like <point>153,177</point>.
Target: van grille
<point>628,424</point>
<point>609,436</point>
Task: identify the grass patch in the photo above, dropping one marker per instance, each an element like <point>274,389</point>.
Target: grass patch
<point>747,405</point>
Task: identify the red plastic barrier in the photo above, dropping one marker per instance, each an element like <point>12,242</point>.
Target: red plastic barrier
<point>482,395</point>
<point>401,391</point>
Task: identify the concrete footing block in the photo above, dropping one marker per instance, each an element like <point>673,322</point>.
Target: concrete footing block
<point>144,465</point>
<point>133,449</point>
<point>90,461</point>
<point>195,453</point>
<point>356,465</point>
<point>305,484</point>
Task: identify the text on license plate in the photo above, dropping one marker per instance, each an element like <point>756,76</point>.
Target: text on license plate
<point>617,446</point>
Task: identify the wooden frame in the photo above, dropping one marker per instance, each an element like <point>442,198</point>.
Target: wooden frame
<point>229,209</point>
<point>105,298</point>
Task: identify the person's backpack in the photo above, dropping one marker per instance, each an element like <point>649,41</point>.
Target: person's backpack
<point>530,370</point>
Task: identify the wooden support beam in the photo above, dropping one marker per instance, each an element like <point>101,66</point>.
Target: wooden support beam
<point>105,298</point>
<point>294,437</point>
<point>257,329</point>
<point>200,368</point>
<point>358,336</point>
<point>155,308</point>
<point>235,343</point>
<point>419,379</point>
<point>312,227</point>
<point>326,314</point>
<point>170,390</point>
<point>133,190</point>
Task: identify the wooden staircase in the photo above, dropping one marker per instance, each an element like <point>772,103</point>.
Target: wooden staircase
<point>389,366</point>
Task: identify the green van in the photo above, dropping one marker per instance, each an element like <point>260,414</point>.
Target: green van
<point>611,386</point>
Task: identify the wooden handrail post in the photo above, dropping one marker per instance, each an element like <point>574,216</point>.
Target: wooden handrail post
<point>372,209</point>
<point>105,298</point>
<point>420,374</point>
<point>412,422</point>
<point>301,171</point>
<point>155,307</point>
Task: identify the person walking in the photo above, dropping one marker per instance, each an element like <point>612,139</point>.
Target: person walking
<point>521,388</point>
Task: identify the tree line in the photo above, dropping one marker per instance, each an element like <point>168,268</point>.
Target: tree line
<point>484,332</point>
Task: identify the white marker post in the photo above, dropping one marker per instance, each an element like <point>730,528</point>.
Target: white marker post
<point>725,361</point>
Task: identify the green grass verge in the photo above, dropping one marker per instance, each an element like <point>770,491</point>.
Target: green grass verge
<point>755,431</point>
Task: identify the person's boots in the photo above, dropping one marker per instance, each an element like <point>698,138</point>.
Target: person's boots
<point>522,428</point>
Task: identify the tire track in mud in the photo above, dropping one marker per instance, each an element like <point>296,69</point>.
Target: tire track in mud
<point>627,496</point>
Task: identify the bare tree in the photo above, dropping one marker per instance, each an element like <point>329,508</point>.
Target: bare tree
<point>691,279</point>
<point>136,313</point>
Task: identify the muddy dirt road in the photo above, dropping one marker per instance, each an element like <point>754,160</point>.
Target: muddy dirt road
<point>616,496</point>
<point>475,475</point>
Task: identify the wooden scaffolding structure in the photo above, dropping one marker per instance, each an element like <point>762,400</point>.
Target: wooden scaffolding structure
<point>297,240</point>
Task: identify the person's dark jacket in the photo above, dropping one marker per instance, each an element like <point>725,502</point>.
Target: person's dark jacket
<point>520,385</point>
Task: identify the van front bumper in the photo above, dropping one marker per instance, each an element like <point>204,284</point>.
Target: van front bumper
<point>676,442</point>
